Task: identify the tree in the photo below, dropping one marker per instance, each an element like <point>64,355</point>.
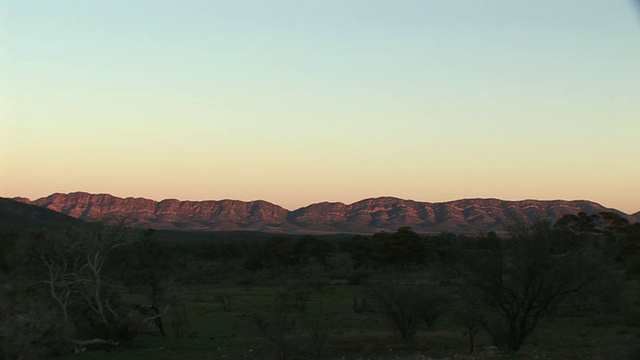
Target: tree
<point>65,297</point>
<point>318,327</point>
<point>408,304</point>
<point>291,327</point>
<point>361,249</point>
<point>308,247</point>
<point>274,254</point>
<point>152,263</point>
<point>279,324</point>
<point>468,315</point>
<point>400,249</point>
<point>520,281</point>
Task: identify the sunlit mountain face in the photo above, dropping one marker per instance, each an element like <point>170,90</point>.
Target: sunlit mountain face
<point>369,215</point>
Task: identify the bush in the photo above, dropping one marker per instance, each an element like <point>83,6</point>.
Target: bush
<point>358,277</point>
<point>408,305</point>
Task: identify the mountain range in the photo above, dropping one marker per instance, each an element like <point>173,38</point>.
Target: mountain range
<point>365,216</point>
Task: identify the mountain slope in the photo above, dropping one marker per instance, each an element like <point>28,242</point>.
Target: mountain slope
<point>16,215</point>
<point>369,215</point>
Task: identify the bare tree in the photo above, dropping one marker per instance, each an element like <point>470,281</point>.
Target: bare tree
<point>65,271</point>
<point>468,316</point>
<point>519,281</point>
<point>179,320</point>
<point>408,304</point>
<point>318,328</point>
<point>290,325</point>
<point>152,264</point>
<point>92,250</point>
<point>281,329</point>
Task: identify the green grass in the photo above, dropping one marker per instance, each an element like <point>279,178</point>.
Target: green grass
<point>216,334</point>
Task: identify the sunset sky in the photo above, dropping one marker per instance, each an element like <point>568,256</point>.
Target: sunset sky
<point>302,101</point>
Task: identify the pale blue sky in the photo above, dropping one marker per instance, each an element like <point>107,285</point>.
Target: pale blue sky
<point>296,101</point>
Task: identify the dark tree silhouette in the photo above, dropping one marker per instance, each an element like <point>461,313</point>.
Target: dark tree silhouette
<point>408,304</point>
<point>520,281</point>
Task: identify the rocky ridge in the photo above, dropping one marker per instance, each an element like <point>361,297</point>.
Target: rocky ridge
<point>365,216</point>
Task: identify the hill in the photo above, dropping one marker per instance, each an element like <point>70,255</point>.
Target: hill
<point>15,215</point>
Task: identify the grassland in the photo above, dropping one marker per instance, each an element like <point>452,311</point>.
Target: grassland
<point>213,333</point>
<point>224,296</point>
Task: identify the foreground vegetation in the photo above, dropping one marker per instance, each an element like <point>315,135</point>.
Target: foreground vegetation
<point>565,290</point>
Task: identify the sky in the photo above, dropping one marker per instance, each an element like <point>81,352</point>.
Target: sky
<point>303,101</point>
